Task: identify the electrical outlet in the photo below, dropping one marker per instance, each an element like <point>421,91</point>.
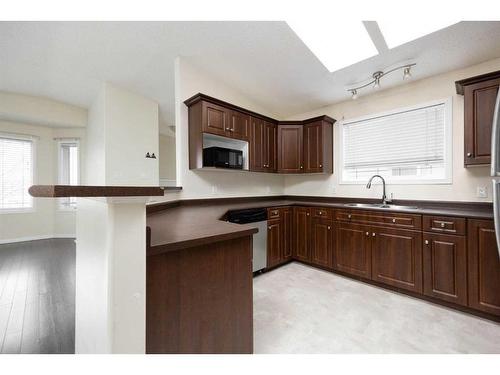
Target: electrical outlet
<point>482,192</point>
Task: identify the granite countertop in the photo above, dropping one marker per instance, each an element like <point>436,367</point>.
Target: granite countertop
<point>182,224</point>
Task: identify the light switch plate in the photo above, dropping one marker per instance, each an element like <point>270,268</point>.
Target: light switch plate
<point>482,192</point>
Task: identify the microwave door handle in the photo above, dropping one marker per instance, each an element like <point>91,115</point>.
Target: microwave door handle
<point>495,140</point>
<point>496,211</point>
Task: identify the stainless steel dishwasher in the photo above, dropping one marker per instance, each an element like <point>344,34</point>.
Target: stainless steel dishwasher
<point>257,217</point>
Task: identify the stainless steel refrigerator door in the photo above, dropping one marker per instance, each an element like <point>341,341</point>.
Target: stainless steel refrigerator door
<point>495,140</point>
<point>496,210</point>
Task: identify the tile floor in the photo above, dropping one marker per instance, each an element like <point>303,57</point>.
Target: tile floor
<point>300,309</point>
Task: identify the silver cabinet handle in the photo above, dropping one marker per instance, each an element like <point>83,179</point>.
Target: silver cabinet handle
<point>469,154</point>
<point>307,214</point>
<point>301,167</point>
<point>349,216</point>
<point>329,228</point>
<point>442,225</point>
<point>394,220</point>
<point>367,233</point>
<point>426,242</point>
<point>321,165</point>
<point>319,213</point>
<point>373,234</point>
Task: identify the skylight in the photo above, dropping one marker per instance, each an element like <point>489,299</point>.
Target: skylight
<point>397,32</point>
<point>336,44</point>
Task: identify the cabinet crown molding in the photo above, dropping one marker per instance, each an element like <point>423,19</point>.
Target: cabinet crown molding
<point>460,85</point>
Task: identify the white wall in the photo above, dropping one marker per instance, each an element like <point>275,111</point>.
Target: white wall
<point>122,128</point>
<point>46,220</point>
<point>190,80</point>
<point>166,159</point>
<point>465,180</point>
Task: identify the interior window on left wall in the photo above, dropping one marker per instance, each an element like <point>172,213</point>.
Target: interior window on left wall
<point>69,171</point>
<point>16,174</point>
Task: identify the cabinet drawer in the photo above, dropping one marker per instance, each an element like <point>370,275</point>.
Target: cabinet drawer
<point>351,216</point>
<point>273,213</point>
<point>397,220</point>
<point>322,213</point>
<point>444,224</point>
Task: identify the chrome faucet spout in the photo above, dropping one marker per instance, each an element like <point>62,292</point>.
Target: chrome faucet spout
<point>369,185</point>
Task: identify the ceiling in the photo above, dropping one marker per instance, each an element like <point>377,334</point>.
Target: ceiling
<point>67,61</point>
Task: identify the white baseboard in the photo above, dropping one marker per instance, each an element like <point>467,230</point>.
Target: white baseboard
<point>34,238</point>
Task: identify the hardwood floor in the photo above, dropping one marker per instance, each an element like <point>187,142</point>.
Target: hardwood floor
<point>37,297</point>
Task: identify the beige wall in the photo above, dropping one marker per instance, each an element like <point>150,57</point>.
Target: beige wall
<point>465,180</point>
<point>46,220</point>
<point>167,159</point>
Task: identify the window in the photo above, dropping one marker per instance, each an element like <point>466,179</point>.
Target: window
<point>408,146</point>
<point>16,173</point>
<point>69,171</point>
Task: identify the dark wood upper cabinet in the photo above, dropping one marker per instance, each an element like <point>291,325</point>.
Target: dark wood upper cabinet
<point>274,146</point>
<point>445,267</point>
<point>302,224</point>
<point>318,147</point>
<point>480,95</point>
<point>239,125</point>
<point>290,149</point>
<point>270,150</point>
<point>274,242</point>
<point>352,251</point>
<point>397,258</point>
<point>483,267</point>
<point>321,242</point>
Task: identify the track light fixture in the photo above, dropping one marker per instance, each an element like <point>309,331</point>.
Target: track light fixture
<point>375,81</point>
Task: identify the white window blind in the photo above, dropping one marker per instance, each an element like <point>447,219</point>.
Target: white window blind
<point>16,173</point>
<point>68,170</point>
<point>404,145</point>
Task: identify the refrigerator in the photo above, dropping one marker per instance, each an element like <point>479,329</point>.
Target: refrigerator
<point>495,168</point>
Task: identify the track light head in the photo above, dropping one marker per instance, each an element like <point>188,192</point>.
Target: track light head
<point>354,94</point>
<point>407,73</point>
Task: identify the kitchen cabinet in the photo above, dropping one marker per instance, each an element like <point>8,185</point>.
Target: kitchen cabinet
<point>397,258</point>
<point>288,231</point>
<point>215,118</point>
<point>318,150</point>
<point>445,267</point>
<point>262,145</point>
<point>290,149</point>
<point>483,267</point>
<point>302,227</point>
<point>239,125</point>
<point>274,242</point>
<point>352,252</point>
<point>321,242</point>
<point>270,149</point>
<point>480,95</point>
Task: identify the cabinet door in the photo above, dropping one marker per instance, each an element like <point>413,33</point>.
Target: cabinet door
<point>239,125</point>
<point>479,106</point>
<point>274,238</point>
<point>302,229</point>
<point>257,145</point>
<point>313,147</point>
<point>287,220</point>
<point>271,146</point>
<point>397,258</point>
<point>321,242</point>
<point>290,149</point>
<point>352,251</point>
<point>483,267</point>
<point>445,267</point>
<point>215,119</point>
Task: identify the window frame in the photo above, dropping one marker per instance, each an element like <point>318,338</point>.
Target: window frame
<point>448,144</point>
<point>60,141</point>
<point>33,139</point>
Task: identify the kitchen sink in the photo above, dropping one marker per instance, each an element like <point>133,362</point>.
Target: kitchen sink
<point>380,205</point>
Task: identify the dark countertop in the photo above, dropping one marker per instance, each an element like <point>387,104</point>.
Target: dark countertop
<point>182,224</point>
<point>57,191</point>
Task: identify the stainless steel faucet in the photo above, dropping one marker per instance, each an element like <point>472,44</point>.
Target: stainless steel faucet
<point>369,185</point>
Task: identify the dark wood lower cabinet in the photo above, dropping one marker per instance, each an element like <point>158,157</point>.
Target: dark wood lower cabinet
<point>287,215</point>
<point>352,253</point>
<point>302,227</point>
<point>274,242</point>
<point>200,300</point>
<point>321,242</point>
<point>484,267</point>
<point>445,267</point>
<point>397,258</point>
